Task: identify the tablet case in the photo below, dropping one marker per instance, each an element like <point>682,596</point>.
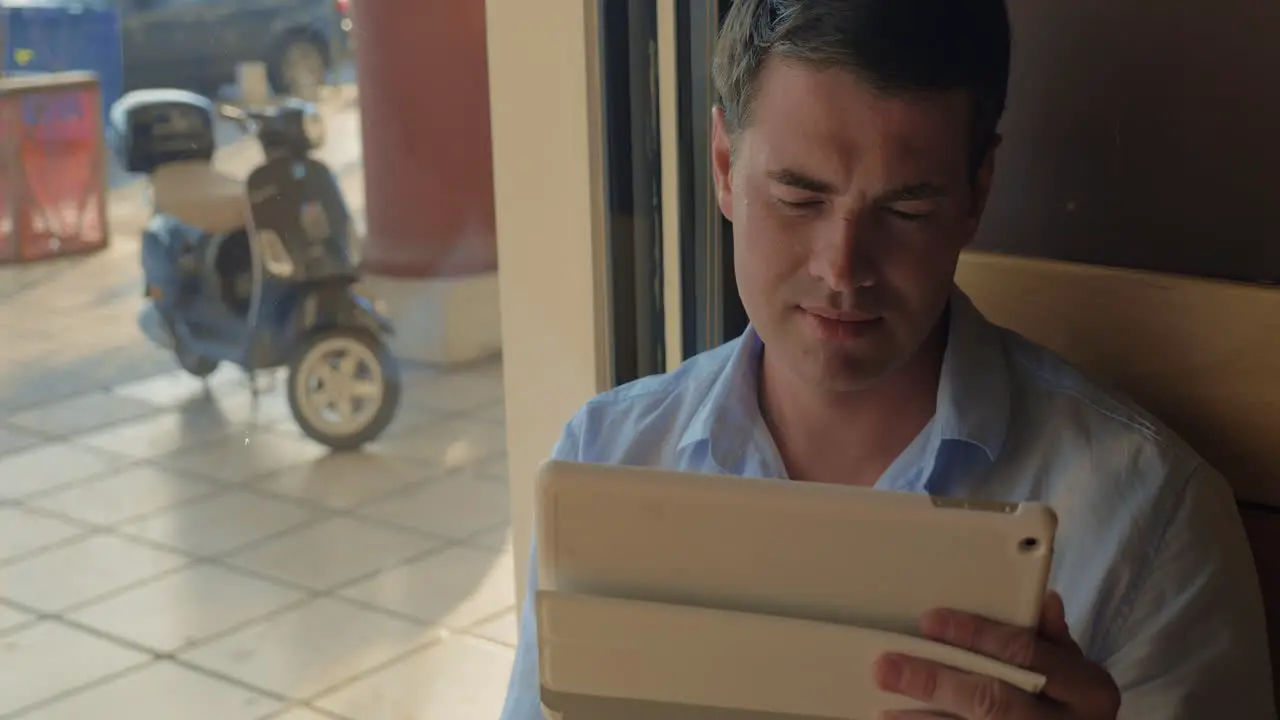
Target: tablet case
<point>633,660</point>
<point>765,553</point>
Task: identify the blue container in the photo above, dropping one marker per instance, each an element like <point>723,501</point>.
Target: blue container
<point>41,36</point>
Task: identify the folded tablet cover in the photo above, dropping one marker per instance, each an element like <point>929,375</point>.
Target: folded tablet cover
<point>605,658</point>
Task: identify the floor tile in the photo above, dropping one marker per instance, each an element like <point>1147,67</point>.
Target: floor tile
<point>237,458</point>
<point>496,539</point>
<point>179,387</point>
<point>13,440</point>
<point>455,588</point>
<point>503,629</point>
<point>445,445</point>
<point>302,652</point>
<point>458,391</point>
<point>298,713</point>
<point>126,494</point>
<point>220,524</point>
<point>161,691</point>
<point>494,411</point>
<point>458,678</point>
<point>186,607</point>
<point>50,466</point>
<point>271,407</point>
<point>491,470</point>
<point>488,370</point>
<point>11,618</point>
<point>48,659</point>
<point>451,506</point>
<point>496,467</point>
<point>82,414</point>
<point>69,575</point>
<point>270,411</point>
<point>162,434</point>
<point>22,532</point>
<point>343,480</point>
<point>332,552</point>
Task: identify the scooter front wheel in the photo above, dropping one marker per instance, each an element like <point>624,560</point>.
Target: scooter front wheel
<point>344,388</point>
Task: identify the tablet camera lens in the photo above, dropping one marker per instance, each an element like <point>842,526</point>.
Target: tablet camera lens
<point>1028,544</point>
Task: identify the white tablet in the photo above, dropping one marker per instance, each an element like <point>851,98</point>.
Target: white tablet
<point>647,543</point>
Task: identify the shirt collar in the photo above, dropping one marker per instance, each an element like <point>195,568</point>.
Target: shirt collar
<point>974,390</point>
<point>729,415</point>
<point>973,404</point>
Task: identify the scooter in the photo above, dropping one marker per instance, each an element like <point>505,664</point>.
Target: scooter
<point>257,273</point>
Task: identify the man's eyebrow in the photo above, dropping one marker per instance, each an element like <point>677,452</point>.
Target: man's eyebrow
<point>914,191</point>
<point>801,181</point>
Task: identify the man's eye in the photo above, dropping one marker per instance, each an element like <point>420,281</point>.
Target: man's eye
<point>908,216</point>
<point>799,204</point>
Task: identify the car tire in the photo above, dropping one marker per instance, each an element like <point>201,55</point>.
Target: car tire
<point>300,68</point>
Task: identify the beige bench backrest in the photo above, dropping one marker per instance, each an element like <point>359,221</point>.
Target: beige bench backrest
<point>1202,355</point>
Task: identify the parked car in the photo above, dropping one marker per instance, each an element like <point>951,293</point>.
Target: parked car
<point>197,44</point>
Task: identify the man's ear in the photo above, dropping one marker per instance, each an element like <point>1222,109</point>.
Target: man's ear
<point>722,162</point>
<point>982,183</point>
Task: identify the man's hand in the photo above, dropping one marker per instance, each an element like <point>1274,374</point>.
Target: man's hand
<point>1075,689</point>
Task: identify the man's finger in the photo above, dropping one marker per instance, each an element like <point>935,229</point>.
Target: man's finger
<point>1069,677</point>
<point>1053,620</point>
<point>967,695</point>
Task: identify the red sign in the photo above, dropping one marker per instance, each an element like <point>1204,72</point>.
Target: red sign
<point>52,172</point>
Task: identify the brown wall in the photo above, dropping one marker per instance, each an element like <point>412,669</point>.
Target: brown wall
<point>1143,134</point>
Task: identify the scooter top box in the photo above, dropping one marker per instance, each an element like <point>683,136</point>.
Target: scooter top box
<point>150,128</point>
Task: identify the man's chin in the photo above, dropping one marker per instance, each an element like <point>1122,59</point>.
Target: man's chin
<point>837,365</point>
<point>848,372</point>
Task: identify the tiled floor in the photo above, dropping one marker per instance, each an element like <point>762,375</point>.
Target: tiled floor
<point>169,553</point>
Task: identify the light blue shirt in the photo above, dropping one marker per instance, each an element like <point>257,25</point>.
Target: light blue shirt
<point>1150,557</point>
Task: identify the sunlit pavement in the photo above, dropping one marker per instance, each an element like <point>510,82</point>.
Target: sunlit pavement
<point>171,550</point>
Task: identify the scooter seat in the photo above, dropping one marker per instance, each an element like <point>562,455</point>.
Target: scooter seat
<point>198,195</point>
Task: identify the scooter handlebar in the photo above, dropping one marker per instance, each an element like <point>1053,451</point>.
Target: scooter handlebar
<point>232,112</point>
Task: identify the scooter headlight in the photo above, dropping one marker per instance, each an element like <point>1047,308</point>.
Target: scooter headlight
<point>314,128</point>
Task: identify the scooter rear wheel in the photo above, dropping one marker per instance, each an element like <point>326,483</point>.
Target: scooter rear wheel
<point>344,388</point>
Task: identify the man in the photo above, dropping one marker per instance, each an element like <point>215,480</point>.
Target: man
<point>854,151</point>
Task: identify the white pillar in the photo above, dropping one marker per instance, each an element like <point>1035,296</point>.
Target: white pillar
<point>550,228</point>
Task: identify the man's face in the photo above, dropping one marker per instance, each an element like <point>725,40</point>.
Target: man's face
<point>849,211</point>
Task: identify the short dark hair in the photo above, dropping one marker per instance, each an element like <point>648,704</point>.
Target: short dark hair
<point>896,46</point>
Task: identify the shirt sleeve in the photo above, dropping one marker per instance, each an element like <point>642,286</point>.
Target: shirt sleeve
<point>1195,642</point>
<point>524,695</point>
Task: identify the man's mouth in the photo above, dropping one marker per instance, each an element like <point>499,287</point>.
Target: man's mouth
<point>841,325</point>
<point>844,316</point>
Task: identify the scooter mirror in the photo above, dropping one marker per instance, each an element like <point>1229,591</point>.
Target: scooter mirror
<point>313,126</point>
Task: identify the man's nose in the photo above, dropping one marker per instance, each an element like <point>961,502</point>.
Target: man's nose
<point>839,257</point>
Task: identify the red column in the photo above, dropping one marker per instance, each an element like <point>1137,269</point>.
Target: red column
<point>424,102</point>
